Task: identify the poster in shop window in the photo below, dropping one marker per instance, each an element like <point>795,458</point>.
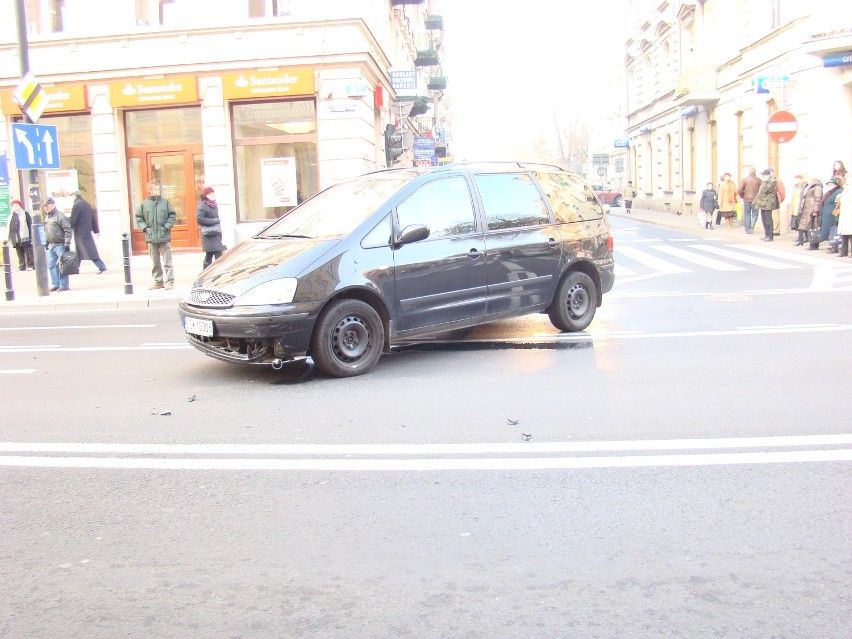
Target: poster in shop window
<point>278,176</point>
<point>60,184</point>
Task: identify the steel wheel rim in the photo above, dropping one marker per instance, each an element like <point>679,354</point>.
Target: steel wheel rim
<point>578,301</point>
<point>350,338</point>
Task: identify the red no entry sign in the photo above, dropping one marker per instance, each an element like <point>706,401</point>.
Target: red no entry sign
<point>782,126</point>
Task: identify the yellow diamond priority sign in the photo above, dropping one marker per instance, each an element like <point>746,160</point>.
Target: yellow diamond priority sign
<point>31,97</point>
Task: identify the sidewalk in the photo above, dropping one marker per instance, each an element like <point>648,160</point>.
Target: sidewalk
<point>90,291</point>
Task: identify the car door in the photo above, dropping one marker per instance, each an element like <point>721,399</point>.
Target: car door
<point>440,279</point>
<point>522,244</point>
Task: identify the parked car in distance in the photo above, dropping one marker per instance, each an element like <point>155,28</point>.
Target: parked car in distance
<point>402,254</point>
<point>608,196</point>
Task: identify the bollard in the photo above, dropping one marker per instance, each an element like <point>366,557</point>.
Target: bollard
<point>7,271</point>
<point>40,256</point>
<point>125,251</point>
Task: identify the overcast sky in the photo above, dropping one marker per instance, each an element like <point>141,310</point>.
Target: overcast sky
<point>510,65</point>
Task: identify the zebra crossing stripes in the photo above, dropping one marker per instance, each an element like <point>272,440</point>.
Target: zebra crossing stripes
<point>741,257</point>
<point>700,260</point>
<point>659,265</point>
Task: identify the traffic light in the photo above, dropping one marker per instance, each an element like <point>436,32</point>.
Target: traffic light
<point>394,145</point>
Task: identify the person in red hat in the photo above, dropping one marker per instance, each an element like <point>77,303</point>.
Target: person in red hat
<point>207,216</point>
<point>21,235</point>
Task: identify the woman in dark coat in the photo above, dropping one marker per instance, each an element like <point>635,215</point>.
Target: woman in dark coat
<point>709,203</point>
<point>84,222</point>
<point>21,235</point>
<point>809,208</point>
<point>827,221</point>
<point>207,216</point>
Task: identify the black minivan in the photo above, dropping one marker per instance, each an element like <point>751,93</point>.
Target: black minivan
<point>405,253</point>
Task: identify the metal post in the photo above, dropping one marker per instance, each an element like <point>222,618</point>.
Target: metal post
<point>125,251</point>
<point>35,202</point>
<point>7,271</point>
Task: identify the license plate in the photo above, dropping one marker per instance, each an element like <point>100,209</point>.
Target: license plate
<point>198,326</point>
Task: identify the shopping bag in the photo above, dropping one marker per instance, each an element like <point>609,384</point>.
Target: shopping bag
<point>702,218</point>
<point>69,263</point>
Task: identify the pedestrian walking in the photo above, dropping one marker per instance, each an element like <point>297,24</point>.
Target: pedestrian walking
<point>827,219</point>
<point>767,201</point>
<point>21,235</point>
<point>708,204</point>
<point>796,201</point>
<point>844,222</point>
<point>84,222</point>
<point>749,187</point>
<point>155,217</point>
<point>207,216</point>
<point>57,235</point>
<point>629,196</point>
<point>727,201</point>
<point>809,209</point>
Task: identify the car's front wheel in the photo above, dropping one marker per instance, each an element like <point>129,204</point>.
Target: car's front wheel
<point>347,339</point>
<point>574,304</point>
<point>618,201</point>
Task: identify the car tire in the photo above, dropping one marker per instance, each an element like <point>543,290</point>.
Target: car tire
<point>618,201</point>
<point>574,305</point>
<point>348,338</point>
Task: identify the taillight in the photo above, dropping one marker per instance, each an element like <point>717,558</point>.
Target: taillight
<point>609,242</point>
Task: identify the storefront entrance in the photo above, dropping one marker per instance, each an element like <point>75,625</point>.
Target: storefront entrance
<point>180,173</point>
<point>165,145</point>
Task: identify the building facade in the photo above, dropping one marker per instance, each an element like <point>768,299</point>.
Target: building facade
<point>266,101</point>
<point>704,77</point>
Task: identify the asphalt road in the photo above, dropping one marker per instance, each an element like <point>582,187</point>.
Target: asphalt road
<point>682,469</point>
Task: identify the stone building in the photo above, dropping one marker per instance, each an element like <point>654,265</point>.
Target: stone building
<point>705,76</point>
<point>266,101</point>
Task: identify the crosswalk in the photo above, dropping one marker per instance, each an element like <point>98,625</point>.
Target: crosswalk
<point>639,259</point>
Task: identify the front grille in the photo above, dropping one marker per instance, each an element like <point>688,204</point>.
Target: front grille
<point>210,299</point>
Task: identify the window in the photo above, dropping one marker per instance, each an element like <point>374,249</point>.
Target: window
<point>268,8</point>
<point>774,14</point>
<point>152,12</point>
<point>511,200</point>
<point>286,130</point>
<point>443,205</point>
<point>570,199</point>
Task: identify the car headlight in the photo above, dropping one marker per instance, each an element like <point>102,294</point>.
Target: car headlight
<point>279,291</point>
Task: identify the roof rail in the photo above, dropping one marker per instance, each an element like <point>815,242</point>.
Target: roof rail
<point>498,163</point>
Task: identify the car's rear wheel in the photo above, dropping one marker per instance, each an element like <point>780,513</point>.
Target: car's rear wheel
<point>347,339</point>
<point>618,201</point>
<point>574,304</point>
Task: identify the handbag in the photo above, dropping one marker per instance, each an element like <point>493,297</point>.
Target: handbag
<point>69,263</point>
<point>794,222</point>
<point>211,230</point>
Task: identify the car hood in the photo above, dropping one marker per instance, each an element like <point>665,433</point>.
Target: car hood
<point>260,260</point>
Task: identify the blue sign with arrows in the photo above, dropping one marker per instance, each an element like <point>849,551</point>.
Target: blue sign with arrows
<point>36,146</point>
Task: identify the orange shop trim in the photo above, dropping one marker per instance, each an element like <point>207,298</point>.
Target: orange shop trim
<point>259,84</point>
<point>63,98</point>
<point>154,92</point>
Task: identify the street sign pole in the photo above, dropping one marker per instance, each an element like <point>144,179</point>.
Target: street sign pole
<point>39,254</point>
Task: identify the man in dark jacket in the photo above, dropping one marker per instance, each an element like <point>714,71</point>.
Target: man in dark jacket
<point>748,191</point>
<point>57,235</point>
<point>155,217</point>
<point>84,222</point>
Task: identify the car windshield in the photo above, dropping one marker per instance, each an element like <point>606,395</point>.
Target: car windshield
<point>340,208</point>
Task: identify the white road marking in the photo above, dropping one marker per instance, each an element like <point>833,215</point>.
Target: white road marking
<point>786,255</point>
<point>91,349</point>
<point>65,328</point>
<point>436,464</point>
<point>481,448</point>
<point>706,262</point>
<point>650,261</point>
<point>742,257</point>
<point>622,271</point>
<point>17,371</point>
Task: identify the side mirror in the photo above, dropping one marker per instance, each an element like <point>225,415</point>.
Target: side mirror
<point>412,233</point>
<point>606,208</point>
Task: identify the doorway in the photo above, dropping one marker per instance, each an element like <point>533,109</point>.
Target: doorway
<point>180,172</point>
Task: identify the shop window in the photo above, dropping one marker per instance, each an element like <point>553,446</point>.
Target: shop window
<point>268,8</point>
<point>163,127</point>
<point>275,157</point>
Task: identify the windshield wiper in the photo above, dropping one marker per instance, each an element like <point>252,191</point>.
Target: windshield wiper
<point>283,235</point>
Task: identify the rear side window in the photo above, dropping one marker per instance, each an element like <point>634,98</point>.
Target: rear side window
<point>511,200</point>
<point>569,197</point>
<point>442,205</point>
